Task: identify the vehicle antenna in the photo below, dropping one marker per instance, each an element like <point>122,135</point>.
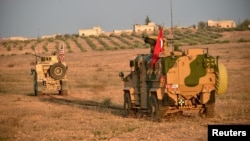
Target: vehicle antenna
<point>172,30</point>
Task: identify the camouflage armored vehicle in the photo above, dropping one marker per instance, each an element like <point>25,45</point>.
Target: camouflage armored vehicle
<point>176,82</point>
<point>50,74</point>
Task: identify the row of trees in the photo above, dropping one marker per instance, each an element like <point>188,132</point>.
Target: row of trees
<point>241,26</point>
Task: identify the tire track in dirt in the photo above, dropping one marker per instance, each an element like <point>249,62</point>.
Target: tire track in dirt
<point>66,99</point>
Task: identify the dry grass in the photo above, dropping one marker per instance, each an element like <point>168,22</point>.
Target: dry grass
<point>92,110</point>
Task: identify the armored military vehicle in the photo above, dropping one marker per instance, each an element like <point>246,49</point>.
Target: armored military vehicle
<point>50,74</point>
<point>179,80</point>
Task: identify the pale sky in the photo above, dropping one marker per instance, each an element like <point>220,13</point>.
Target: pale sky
<point>35,18</point>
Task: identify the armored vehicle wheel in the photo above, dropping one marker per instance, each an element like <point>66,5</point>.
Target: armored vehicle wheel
<point>63,92</point>
<point>128,112</point>
<point>36,85</point>
<point>36,92</point>
<point>154,108</point>
<point>57,71</point>
<point>208,111</point>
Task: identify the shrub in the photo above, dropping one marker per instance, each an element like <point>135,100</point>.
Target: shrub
<point>20,47</point>
<point>89,42</point>
<point>243,40</point>
<point>8,48</point>
<point>45,48</point>
<point>11,65</point>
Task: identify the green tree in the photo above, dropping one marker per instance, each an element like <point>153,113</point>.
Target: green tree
<point>202,25</point>
<point>244,24</point>
<point>147,20</point>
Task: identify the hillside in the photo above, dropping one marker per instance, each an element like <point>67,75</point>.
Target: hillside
<point>93,109</point>
<point>74,43</point>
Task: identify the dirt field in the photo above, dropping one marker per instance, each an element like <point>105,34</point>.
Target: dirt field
<point>93,109</point>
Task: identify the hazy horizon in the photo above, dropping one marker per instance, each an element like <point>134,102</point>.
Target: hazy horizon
<point>33,18</point>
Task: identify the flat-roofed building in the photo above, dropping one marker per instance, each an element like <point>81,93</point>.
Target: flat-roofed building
<point>94,31</point>
<point>145,27</point>
<point>123,31</point>
<point>221,24</point>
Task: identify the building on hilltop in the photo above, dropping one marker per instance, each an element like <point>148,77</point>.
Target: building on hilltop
<point>18,38</point>
<point>123,31</point>
<point>221,24</point>
<point>94,31</point>
<point>49,36</point>
<point>145,27</point>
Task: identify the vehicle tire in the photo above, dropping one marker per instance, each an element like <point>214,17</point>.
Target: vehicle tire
<point>128,112</point>
<point>57,71</point>
<point>63,92</point>
<point>36,85</point>
<point>36,92</point>
<point>154,108</point>
<point>207,111</point>
<point>208,108</point>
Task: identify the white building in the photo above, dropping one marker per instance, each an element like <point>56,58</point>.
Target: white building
<point>94,31</point>
<point>145,27</point>
<point>221,24</point>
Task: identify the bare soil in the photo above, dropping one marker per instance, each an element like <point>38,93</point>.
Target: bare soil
<point>93,108</point>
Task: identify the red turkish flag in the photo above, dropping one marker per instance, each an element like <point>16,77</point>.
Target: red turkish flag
<point>158,48</point>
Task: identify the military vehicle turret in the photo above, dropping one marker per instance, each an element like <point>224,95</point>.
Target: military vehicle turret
<point>178,81</point>
<point>50,74</point>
